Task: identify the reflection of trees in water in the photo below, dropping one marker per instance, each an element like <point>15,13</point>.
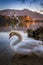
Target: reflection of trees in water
<point>4,20</point>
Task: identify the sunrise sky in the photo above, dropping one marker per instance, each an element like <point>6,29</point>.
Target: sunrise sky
<point>34,5</point>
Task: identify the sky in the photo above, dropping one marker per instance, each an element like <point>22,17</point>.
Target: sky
<point>34,5</point>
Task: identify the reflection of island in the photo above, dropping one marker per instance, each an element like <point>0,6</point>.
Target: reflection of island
<point>19,23</point>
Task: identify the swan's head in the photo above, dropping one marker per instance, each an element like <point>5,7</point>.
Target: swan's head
<point>12,33</point>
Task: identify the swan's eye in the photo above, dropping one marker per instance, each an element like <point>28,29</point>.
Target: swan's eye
<point>11,34</point>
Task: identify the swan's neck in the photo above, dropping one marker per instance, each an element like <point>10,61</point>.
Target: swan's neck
<point>19,35</point>
<point>20,38</point>
<point>14,43</point>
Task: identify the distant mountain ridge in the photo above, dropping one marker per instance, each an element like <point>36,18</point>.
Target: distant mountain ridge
<point>23,12</point>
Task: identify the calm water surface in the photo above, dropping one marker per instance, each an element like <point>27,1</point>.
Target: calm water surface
<point>5,51</point>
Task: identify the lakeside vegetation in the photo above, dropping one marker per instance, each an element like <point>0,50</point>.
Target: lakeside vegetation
<point>36,34</point>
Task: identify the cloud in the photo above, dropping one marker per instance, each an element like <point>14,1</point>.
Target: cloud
<point>22,1</point>
<point>41,4</point>
<point>32,1</point>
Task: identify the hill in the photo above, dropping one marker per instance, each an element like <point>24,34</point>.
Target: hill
<point>23,12</point>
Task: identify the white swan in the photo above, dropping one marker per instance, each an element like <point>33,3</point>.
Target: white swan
<point>23,46</point>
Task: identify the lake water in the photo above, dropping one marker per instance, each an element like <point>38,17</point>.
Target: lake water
<point>5,51</point>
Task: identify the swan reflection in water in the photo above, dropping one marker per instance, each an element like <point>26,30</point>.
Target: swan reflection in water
<point>25,46</point>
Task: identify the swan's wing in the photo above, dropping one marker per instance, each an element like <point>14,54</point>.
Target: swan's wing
<point>38,50</point>
<point>25,47</point>
<point>26,38</point>
<point>28,44</point>
<point>33,42</point>
<point>22,49</point>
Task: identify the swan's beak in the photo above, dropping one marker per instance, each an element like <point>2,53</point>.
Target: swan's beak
<point>9,37</point>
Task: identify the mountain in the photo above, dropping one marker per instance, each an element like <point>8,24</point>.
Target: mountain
<point>23,12</point>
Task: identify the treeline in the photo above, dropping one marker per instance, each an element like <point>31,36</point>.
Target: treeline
<point>38,20</point>
<point>6,21</point>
